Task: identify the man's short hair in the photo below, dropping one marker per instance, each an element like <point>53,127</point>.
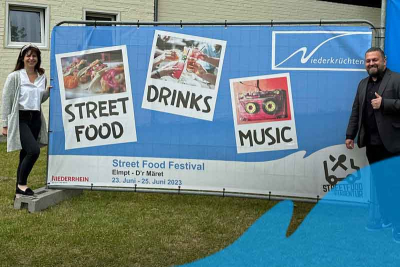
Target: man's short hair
<point>376,49</point>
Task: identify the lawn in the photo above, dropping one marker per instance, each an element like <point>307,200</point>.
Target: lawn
<point>103,228</point>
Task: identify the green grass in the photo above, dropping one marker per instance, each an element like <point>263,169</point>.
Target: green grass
<point>120,228</point>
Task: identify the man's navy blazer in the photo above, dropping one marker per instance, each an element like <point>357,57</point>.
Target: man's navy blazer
<point>387,117</point>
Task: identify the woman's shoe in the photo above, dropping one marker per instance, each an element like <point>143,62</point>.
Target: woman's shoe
<point>27,192</point>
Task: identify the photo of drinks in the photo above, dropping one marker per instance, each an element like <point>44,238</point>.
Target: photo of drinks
<point>187,60</point>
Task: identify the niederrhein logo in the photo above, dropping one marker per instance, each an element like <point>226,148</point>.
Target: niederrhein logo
<point>319,50</point>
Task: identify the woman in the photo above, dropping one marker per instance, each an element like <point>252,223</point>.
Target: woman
<point>23,121</point>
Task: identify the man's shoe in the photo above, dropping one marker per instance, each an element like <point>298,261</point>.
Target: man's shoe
<point>374,226</point>
<point>386,224</point>
<point>396,235</point>
<point>378,225</point>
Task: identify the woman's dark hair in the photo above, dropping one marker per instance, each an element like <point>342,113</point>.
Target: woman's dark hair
<point>24,50</point>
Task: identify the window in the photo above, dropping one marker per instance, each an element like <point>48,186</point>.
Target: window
<point>26,24</point>
<point>369,3</point>
<point>100,16</point>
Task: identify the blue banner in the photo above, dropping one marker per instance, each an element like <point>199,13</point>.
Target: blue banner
<point>246,109</point>
<point>392,35</point>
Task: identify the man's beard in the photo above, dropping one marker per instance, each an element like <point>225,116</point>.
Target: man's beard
<point>376,73</point>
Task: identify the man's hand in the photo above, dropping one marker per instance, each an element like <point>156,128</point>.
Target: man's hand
<point>349,143</point>
<point>4,131</point>
<point>376,103</point>
<point>171,55</point>
<point>168,69</point>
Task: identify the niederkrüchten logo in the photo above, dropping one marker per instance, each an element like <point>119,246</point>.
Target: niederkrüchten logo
<point>319,50</point>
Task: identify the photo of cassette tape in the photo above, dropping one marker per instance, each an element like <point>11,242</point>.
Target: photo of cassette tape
<point>261,100</point>
<point>263,105</point>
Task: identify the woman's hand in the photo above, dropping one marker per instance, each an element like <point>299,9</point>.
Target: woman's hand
<point>4,131</point>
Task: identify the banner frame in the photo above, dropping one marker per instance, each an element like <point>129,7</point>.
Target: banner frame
<point>222,193</point>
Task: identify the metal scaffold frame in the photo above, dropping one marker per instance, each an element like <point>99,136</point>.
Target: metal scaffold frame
<point>270,23</point>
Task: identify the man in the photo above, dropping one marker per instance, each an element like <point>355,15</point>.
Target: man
<point>375,117</point>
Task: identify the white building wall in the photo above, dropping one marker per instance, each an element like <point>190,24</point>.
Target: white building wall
<point>259,10</point>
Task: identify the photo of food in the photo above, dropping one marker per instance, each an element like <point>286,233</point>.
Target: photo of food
<point>187,60</point>
<point>92,74</point>
<point>262,100</point>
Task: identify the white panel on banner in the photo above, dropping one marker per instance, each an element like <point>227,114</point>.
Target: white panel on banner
<point>96,97</point>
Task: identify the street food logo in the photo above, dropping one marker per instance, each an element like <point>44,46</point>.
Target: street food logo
<point>263,113</point>
<point>340,171</point>
<point>319,50</point>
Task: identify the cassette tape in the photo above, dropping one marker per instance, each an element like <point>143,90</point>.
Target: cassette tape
<point>263,105</point>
